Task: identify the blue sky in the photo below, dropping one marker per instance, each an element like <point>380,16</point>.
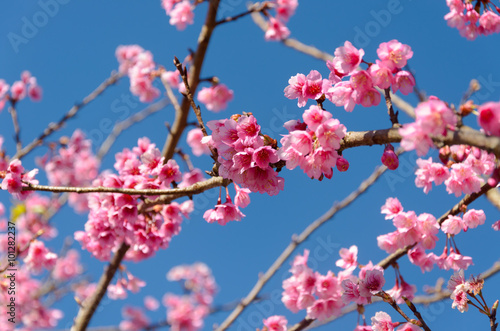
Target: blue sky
<point>73,51</point>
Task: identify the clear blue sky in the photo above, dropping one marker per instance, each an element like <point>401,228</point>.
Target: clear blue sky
<point>73,51</point>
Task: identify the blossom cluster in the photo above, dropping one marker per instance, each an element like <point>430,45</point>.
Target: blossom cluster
<point>461,288</point>
<point>228,211</point>
<point>468,19</point>
<point>359,89</point>
<point>188,311</point>
<point>30,312</point>
<point>115,219</point>
<point>74,165</point>
<point>15,178</point>
<point>31,225</point>
<point>461,170</point>
<point>276,26</point>
<point>432,118</point>
<point>245,155</point>
<point>421,231</point>
<point>323,296</point>
<point>312,145</point>
<point>215,97</point>
<point>180,12</point>
<point>27,86</point>
<point>185,312</point>
<point>383,322</point>
<point>138,64</point>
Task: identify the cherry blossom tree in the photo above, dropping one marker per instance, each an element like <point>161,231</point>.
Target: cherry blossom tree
<point>138,206</point>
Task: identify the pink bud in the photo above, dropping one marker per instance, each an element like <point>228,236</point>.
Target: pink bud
<point>389,158</point>
<point>342,164</point>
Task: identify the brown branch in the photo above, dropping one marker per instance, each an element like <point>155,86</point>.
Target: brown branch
<point>494,196</point>
<point>181,115</point>
<point>70,114</point>
<point>90,304</point>
<point>196,188</point>
<point>125,124</point>
<point>493,316</point>
<point>15,122</point>
<point>393,116</point>
<point>196,109</point>
<point>263,279</point>
<point>465,136</point>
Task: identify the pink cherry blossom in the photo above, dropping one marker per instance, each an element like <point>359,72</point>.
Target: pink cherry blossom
<point>348,257</point>
<point>404,82</point>
<point>489,117</point>
<point>391,208</point>
<point>39,257</point>
<point>276,323</point>
<point>462,180</point>
<point>382,322</point>
<point>452,225</point>
<point>381,73</point>
<point>414,137</point>
<point>285,9</point>
<point>181,15</point>
<point>215,98</point>
<point>396,52</point>
<point>151,303</point>
<point>347,58</point>
<point>473,218</point>
<point>136,320</point>
<point>194,137</point>
<point>434,117</point>
<point>341,94</point>
<point>276,30</point>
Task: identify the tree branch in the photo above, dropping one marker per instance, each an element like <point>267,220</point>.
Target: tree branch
<point>90,304</point>
<point>70,114</point>
<point>194,76</point>
<point>15,122</point>
<point>295,242</point>
<point>125,124</point>
<point>196,188</point>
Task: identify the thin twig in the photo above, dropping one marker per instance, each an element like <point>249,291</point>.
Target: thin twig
<point>181,115</point>
<point>70,114</point>
<point>254,8</point>
<point>393,116</point>
<point>125,124</point>
<point>416,313</point>
<point>263,279</point>
<point>196,109</point>
<point>90,304</point>
<point>15,122</point>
